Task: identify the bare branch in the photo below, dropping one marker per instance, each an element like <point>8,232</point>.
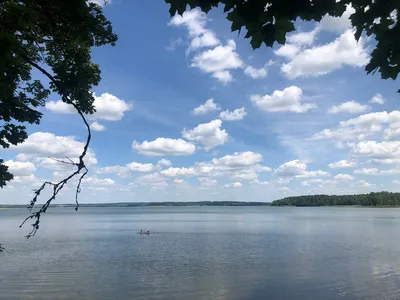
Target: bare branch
<point>57,187</point>
<point>70,162</point>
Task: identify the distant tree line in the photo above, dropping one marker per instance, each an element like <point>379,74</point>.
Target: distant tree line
<point>371,199</point>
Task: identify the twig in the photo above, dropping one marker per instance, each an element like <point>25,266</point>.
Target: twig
<point>57,187</point>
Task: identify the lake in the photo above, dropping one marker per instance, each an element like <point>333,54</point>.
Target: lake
<point>253,253</point>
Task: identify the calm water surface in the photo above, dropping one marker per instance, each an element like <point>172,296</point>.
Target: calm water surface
<point>203,253</point>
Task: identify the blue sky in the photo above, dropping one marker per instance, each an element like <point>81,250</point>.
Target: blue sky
<point>187,111</point>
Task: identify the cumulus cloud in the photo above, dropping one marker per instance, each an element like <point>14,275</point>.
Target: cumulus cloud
<point>19,168</point>
<point>367,171</point>
<point>219,61</point>
<point>288,51</point>
<point>207,182</point>
<point>155,180</point>
<point>377,150</point>
<point>139,167</point>
<point>287,100</point>
<point>350,107</point>
<point>256,181</point>
<point>164,147</point>
<point>337,24</point>
<point>98,181</point>
<point>206,107</point>
<point>120,171</point>
<point>175,172</point>
<point>108,107</point>
<point>377,99</point>
<point>164,162</point>
<point>97,126</point>
<point>320,60</point>
<point>303,38</point>
<point>256,73</point>
<point>239,165</point>
<point>343,177</point>
<point>42,145</point>
<point>297,168</point>
<point>312,181</point>
<point>237,114</point>
<point>364,184</point>
<point>236,184</point>
<point>208,134</point>
<point>342,164</point>
<point>362,127</point>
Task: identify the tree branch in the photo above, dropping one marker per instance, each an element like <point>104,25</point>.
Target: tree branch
<point>57,187</point>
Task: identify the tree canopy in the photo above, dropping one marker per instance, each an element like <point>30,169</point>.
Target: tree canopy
<point>371,199</point>
<point>53,38</point>
<point>269,21</point>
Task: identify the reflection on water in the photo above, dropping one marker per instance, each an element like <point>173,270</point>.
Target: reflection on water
<point>203,253</point>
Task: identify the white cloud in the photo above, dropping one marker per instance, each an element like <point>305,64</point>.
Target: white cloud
<point>97,126</point>
<point>219,61</point>
<point>139,167</point>
<point>209,134</point>
<point>303,38</point>
<point>100,2</point>
<point>288,51</point>
<point>207,182</point>
<point>43,145</point>
<point>284,189</point>
<point>350,107</point>
<point>120,171</point>
<point>378,99</point>
<point>155,180</point>
<point>98,181</point>
<point>337,24</point>
<point>367,171</point>
<point>164,162</point>
<point>297,168</point>
<point>60,107</point>
<point>312,181</point>
<point>238,159</point>
<point>22,157</point>
<point>206,107</point>
<point>164,146</point>
<point>174,44</point>
<point>287,100</point>
<point>19,168</point>
<point>342,164</point>
<point>384,161</point>
<point>178,181</point>
<point>361,127</point>
<point>207,39</point>
<point>396,181</point>
<point>237,114</point>
<point>364,184</point>
<point>320,60</point>
<point>175,172</point>
<point>256,73</point>
<point>32,180</point>
<point>239,165</point>
<point>256,181</point>
<point>377,150</point>
<point>108,107</point>
<point>194,20</point>
<point>343,177</point>
<point>236,184</point>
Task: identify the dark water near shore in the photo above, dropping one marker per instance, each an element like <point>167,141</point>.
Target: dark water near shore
<point>203,253</point>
